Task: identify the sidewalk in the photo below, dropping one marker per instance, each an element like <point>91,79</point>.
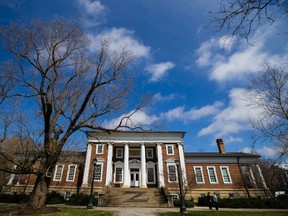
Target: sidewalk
<point>155,211</point>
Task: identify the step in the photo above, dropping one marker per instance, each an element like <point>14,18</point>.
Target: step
<point>134,197</point>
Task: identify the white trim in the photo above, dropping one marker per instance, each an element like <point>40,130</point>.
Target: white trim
<point>102,149</point>
<point>56,169</point>
<point>152,152</point>
<point>118,164</point>
<point>202,175</point>
<point>151,165</point>
<point>176,174</point>
<point>68,172</point>
<point>228,172</point>
<point>214,169</point>
<point>167,147</point>
<point>116,152</point>
<point>101,164</point>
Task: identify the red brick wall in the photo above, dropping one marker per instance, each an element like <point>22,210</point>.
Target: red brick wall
<point>104,167</point>
<point>167,157</point>
<point>234,174</point>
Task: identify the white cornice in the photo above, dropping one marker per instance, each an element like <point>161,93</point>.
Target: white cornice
<point>136,137</point>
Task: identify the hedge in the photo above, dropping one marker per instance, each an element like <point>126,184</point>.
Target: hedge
<point>248,203</point>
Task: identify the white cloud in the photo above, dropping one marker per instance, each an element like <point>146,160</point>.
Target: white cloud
<point>93,12</point>
<point>158,71</point>
<point>179,113</point>
<point>118,39</point>
<point>266,151</point>
<point>159,97</point>
<point>229,60</point>
<point>232,119</point>
<point>91,7</point>
<point>140,118</point>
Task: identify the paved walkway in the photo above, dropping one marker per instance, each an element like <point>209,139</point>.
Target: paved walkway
<point>120,211</point>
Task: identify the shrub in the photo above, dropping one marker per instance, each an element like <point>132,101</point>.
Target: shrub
<point>188,203</point>
<point>14,198</point>
<point>80,199</point>
<point>55,198</point>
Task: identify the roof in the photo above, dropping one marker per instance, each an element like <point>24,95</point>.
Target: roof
<point>217,154</point>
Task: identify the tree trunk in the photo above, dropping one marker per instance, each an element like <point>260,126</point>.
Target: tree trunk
<point>39,193</point>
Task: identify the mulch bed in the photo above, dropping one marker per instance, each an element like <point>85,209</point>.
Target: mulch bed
<point>23,210</point>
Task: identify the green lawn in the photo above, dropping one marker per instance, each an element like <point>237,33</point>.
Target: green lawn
<point>227,213</point>
<point>65,212</point>
<point>78,212</point>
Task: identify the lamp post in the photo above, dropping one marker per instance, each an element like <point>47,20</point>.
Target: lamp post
<point>182,201</point>
<point>90,204</point>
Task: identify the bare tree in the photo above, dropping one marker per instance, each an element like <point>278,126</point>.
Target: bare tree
<point>273,174</point>
<point>243,17</point>
<point>62,87</point>
<point>269,93</point>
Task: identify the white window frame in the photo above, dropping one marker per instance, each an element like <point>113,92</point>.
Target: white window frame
<point>152,153</point>
<point>202,175</point>
<point>167,149</point>
<point>176,174</point>
<point>98,152</point>
<point>228,172</point>
<point>118,165</point>
<point>56,170</point>
<point>116,152</point>
<point>152,166</point>
<point>68,172</point>
<point>101,164</point>
<point>214,170</point>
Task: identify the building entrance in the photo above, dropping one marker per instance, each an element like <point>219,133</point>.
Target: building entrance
<point>134,177</point>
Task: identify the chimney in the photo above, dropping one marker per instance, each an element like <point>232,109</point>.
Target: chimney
<point>221,147</point>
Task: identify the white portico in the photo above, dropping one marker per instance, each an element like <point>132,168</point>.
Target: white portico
<point>132,159</point>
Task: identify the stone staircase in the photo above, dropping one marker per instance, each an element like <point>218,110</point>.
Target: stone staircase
<point>134,197</point>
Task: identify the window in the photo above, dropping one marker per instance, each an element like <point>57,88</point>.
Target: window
<point>151,179</point>
<point>119,153</point>
<point>199,175</point>
<point>212,175</point>
<point>149,152</point>
<point>172,175</point>
<point>118,175</point>
<point>58,172</point>
<point>71,173</point>
<point>169,150</point>
<point>67,195</point>
<point>98,172</point>
<point>99,148</point>
<point>225,174</point>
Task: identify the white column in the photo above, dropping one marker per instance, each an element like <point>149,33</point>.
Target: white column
<point>87,165</point>
<point>109,165</point>
<point>261,176</point>
<point>126,182</point>
<point>160,171</point>
<point>143,166</point>
<point>12,177</point>
<point>182,163</point>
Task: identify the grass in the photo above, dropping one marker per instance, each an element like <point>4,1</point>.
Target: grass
<point>63,212</point>
<point>227,213</point>
<point>77,212</point>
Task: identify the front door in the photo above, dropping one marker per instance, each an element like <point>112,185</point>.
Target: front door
<point>134,177</point>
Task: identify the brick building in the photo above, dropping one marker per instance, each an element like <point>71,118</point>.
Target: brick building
<point>145,163</point>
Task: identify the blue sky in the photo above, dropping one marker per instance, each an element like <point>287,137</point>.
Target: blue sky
<point>196,76</point>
